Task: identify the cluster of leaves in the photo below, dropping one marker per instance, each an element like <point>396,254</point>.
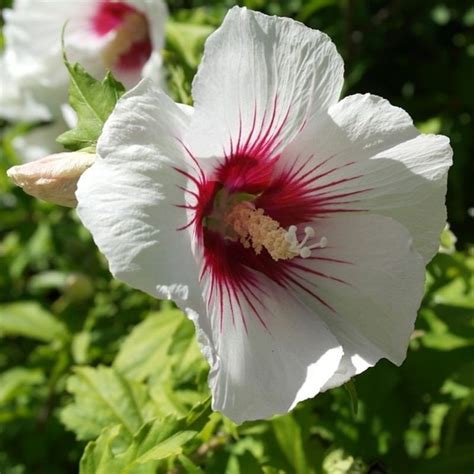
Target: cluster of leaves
<point>114,378</point>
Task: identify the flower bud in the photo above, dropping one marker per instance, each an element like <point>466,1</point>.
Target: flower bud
<point>53,178</point>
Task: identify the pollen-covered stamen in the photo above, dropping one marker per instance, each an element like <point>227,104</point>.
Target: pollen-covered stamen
<point>133,30</point>
<point>259,231</point>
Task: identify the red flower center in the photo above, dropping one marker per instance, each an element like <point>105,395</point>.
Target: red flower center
<point>131,46</point>
<point>234,269</point>
<point>295,194</point>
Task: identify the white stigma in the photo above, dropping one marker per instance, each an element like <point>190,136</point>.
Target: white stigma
<point>300,248</point>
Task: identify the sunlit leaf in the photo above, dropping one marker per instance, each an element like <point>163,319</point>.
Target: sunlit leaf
<point>187,40</point>
<point>189,466</point>
<point>93,101</point>
<point>103,398</point>
<point>155,441</point>
<point>16,381</point>
<point>145,350</point>
<point>30,320</point>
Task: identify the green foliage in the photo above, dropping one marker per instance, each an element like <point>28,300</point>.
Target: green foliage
<point>156,440</point>
<point>30,320</point>
<point>103,398</point>
<point>144,352</point>
<point>115,378</point>
<point>290,440</point>
<point>93,102</point>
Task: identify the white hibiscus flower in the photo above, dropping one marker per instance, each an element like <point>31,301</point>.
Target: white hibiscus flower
<point>122,36</point>
<point>16,103</point>
<point>293,228</point>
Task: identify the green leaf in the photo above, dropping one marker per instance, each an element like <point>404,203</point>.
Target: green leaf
<point>245,463</point>
<point>100,456</point>
<point>186,358</point>
<point>187,40</point>
<point>433,125</point>
<point>338,462</point>
<point>80,347</point>
<point>30,320</point>
<point>189,466</point>
<point>145,350</point>
<point>157,440</point>
<point>310,8</point>
<point>168,401</point>
<point>352,392</point>
<point>104,398</point>
<point>289,437</point>
<point>163,348</point>
<point>458,459</point>
<point>93,102</point>
<point>16,381</point>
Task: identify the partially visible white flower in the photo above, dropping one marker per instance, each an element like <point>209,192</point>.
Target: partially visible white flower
<point>292,227</point>
<point>123,36</point>
<point>53,178</point>
<point>18,103</point>
<point>39,142</point>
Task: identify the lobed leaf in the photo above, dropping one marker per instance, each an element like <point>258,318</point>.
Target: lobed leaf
<point>144,351</point>
<point>104,398</point>
<point>156,440</point>
<point>93,101</point>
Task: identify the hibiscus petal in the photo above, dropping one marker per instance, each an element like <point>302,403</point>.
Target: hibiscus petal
<point>372,279</point>
<point>157,14</point>
<point>33,37</point>
<point>266,363</point>
<point>260,80</point>
<point>369,156</point>
<point>39,142</point>
<point>129,198</point>
<point>16,103</point>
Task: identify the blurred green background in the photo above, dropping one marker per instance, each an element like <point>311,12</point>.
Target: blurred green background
<point>83,356</point>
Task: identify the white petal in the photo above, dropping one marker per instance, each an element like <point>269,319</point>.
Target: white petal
<point>409,184</point>
<point>16,102</point>
<point>187,109</point>
<point>371,280</point>
<point>261,75</point>
<point>33,37</point>
<point>379,155</point>
<point>40,142</point>
<point>153,70</point>
<point>128,199</point>
<point>156,12</point>
<point>69,115</point>
<point>262,371</point>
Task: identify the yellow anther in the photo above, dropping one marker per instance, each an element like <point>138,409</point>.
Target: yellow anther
<point>134,29</point>
<point>255,229</point>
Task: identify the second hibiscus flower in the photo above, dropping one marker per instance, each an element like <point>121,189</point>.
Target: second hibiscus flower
<point>292,228</point>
